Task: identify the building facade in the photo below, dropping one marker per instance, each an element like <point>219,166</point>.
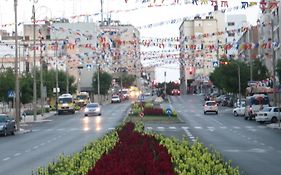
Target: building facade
<point>201,42</point>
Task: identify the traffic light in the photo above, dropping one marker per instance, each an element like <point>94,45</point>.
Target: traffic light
<point>224,62</point>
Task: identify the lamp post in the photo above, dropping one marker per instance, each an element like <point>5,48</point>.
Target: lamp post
<point>34,68</point>
<point>239,80</point>
<point>17,116</point>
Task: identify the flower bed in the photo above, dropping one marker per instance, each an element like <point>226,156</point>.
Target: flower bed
<point>153,111</point>
<point>134,154</point>
<point>131,150</point>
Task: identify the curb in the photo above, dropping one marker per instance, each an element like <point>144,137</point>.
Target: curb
<point>24,131</point>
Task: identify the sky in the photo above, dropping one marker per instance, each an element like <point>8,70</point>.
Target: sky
<point>139,17</point>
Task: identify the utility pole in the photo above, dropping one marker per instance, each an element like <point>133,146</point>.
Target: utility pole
<point>17,93</point>
<point>273,62</point>
<point>57,77</point>
<point>67,79</point>
<point>34,68</point>
<point>98,74</point>
<point>165,85</point>
<point>41,74</point>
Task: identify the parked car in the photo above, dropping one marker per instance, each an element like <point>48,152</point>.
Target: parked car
<point>7,125</point>
<point>115,99</point>
<point>210,106</point>
<point>268,114</point>
<point>92,109</point>
<point>239,110</point>
<point>176,92</point>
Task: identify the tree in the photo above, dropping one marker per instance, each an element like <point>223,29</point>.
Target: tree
<point>225,76</point>
<point>127,80</point>
<point>26,88</point>
<point>7,83</point>
<point>260,71</point>
<point>105,82</point>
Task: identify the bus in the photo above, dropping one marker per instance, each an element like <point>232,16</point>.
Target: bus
<point>66,104</point>
<point>82,99</point>
<point>255,103</point>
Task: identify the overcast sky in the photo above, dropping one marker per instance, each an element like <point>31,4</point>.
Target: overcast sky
<point>140,17</point>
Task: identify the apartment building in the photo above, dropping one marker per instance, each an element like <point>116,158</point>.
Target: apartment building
<point>234,23</point>
<point>196,58</point>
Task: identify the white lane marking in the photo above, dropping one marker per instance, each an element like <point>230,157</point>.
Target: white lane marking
<point>149,128</point>
<point>61,129</point>
<point>160,128</point>
<point>222,127</point>
<point>236,127</point>
<point>17,154</point>
<point>7,158</point>
<point>74,129</point>
<point>49,129</point>
<point>262,144</point>
<point>110,128</point>
<point>42,144</point>
<point>262,127</point>
<point>210,128</point>
<point>198,127</point>
<point>232,150</point>
<point>35,147</point>
<point>172,127</point>
<point>28,150</point>
<point>184,127</point>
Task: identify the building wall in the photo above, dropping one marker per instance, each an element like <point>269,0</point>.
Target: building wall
<point>234,22</point>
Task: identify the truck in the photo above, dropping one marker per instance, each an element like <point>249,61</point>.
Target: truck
<point>66,104</point>
<point>82,99</point>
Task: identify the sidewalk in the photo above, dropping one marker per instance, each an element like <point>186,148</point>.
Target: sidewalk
<point>29,119</point>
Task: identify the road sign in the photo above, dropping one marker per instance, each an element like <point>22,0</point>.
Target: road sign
<point>169,112</point>
<point>54,90</point>
<point>215,64</point>
<point>11,94</point>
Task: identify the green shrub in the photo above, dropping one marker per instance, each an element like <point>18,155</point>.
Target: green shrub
<point>148,105</point>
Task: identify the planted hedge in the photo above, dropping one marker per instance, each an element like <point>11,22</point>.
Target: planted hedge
<point>131,150</point>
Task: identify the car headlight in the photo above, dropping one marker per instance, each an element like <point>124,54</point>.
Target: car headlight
<point>86,110</point>
<point>1,127</point>
<point>98,109</point>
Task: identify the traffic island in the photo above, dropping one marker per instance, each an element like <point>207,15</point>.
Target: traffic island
<point>129,149</point>
<point>154,111</point>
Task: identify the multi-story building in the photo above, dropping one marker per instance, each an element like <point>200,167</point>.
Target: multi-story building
<point>269,34</point>
<point>233,23</point>
<point>124,47</point>
<point>200,48</point>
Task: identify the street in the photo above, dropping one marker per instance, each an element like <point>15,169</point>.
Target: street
<point>253,147</point>
<point>63,134</point>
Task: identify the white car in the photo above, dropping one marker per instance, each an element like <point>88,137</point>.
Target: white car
<point>92,109</point>
<point>240,110</point>
<point>268,114</point>
<point>115,99</point>
<point>210,106</point>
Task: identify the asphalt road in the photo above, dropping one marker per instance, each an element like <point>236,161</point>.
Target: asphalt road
<point>22,153</point>
<point>253,147</point>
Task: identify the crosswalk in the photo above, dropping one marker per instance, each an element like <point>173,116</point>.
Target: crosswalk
<point>162,128</point>
<point>210,128</point>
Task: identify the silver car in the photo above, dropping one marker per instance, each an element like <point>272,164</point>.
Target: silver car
<point>7,125</point>
<point>239,110</point>
<point>92,109</point>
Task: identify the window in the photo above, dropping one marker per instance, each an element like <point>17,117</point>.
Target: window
<point>231,23</point>
<point>231,34</point>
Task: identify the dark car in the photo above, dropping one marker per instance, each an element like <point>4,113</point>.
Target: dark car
<point>7,125</point>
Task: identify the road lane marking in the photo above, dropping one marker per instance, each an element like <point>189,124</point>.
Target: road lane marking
<point>110,128</point>
<point>160,128</point>
<point>222,127</point>
<point>17,154</point>
<point>42,144</point>
<point>198,127</point>
<point>28,150</point>
<point>35,147</point>
<point>149,128</point>
<point>7,158</point>
<point>236,127</point>
<point>184,127</point>
<point>172,127</point>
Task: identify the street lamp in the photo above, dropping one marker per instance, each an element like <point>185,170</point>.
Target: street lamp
<point>17,89</point>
